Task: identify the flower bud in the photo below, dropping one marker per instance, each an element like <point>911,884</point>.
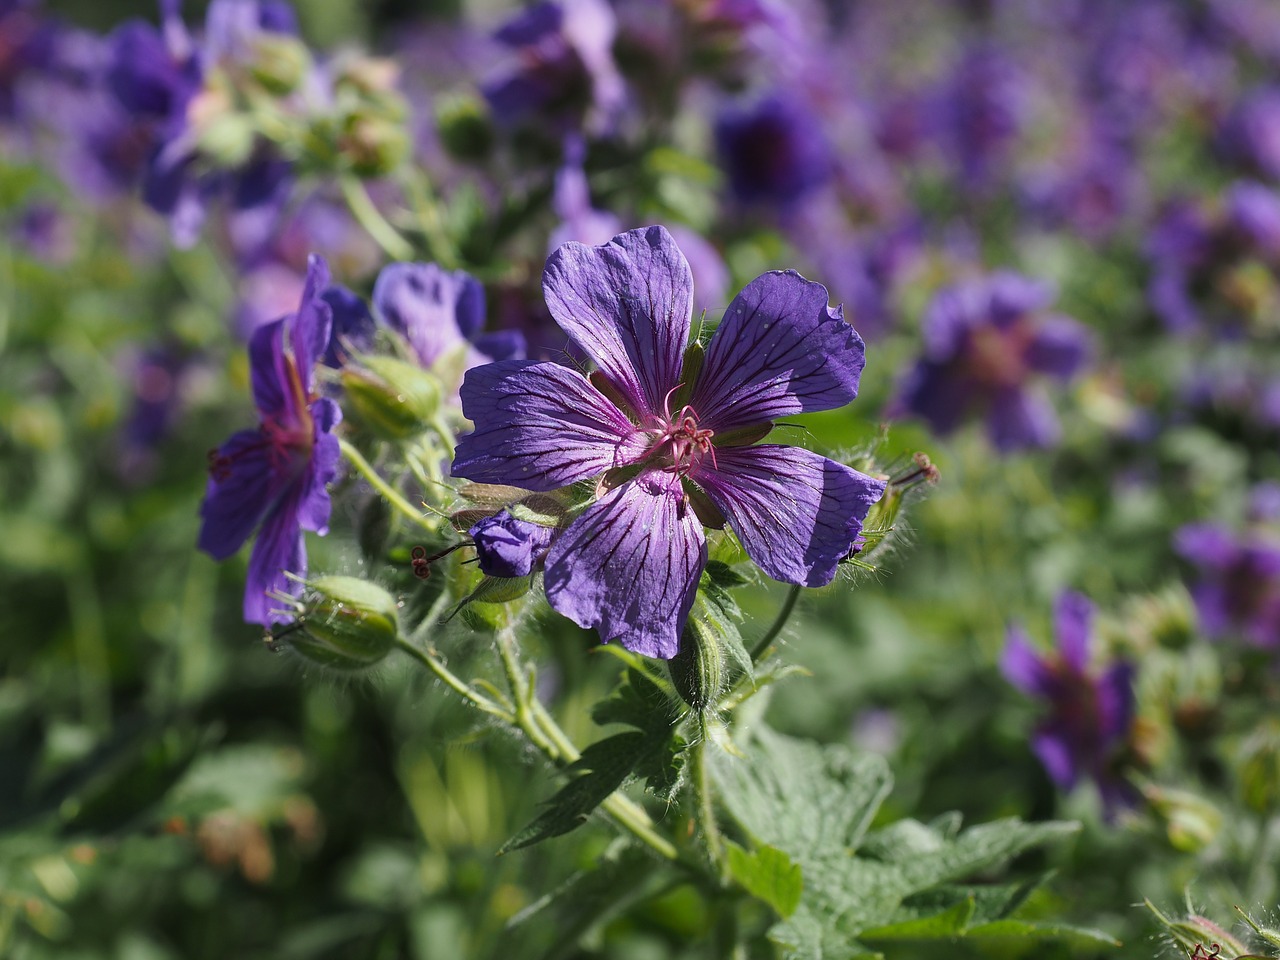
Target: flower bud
<point>228,140</point>
<point>1191,821</point>
<point>508,545</point>
<point>1196,931</point>
<point>394,398</point>
<point>697,671</point>
<point>464,127</point>
<point>1260,768</point>
<point>345,623</point>
<point>372,145</point>
<point>280,62</point>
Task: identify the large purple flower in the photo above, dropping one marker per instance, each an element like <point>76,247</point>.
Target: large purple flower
<point>984,343</point>
<point>668,441</point>
<point>1238,590</point>
<point>1090,713</point>
<point>273,478</point>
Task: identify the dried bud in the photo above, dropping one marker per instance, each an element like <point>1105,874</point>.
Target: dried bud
<point>394,398</point>
<point>345,623</point>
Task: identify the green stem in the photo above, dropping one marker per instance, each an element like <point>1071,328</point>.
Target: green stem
<point>422,196</point>
<point>374,223</point>
<point>788,605</point>
<point>454,682</point>
<point>367,471</point>
<point>712,841</point>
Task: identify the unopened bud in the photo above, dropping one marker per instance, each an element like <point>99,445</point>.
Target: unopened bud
<point>1200,933</point>
<point>345,623</point>
<point>367,76</point>
<point>465,127</point>
<point>373,146</point>
<point>280,62</point>
<point>228,140</point>
<point>1191,821</point>
<point>697,671</point>
<point>394,398</point>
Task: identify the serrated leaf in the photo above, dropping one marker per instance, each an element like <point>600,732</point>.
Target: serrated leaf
<point>945,925</point>
<point>723,576</point>
<point>638,701</point>
<point>664,772</point>
<point>769,875</point>
<point>1025,930</point>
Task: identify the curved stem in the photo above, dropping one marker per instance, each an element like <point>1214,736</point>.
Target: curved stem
<point>788,605</point>
<point>453,681</point>
<point>374,223</point>
<point>393,497</point>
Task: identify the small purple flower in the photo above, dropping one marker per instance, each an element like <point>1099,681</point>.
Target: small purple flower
<point>978,112</point>
<point>440,312</point>
<point>629,564</point>
<point>774,151</point>
<point>507,546</point>
<point>984,341</point>
<point>1251,134</point>
<point>1090,712</point>
<point>273,478</point>
<point>1238,591</point>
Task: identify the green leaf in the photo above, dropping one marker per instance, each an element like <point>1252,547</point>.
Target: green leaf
<point>769,875</point>
<point>945,925</point>
<point>1025,930</point>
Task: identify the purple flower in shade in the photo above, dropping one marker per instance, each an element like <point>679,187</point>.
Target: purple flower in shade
<point>1251,134</point>
<point>1238,591</point>
<point>566,69</point>
<point>273,478</point>
<point>773,151</point>
<point>978,112</point>
<point>507,546</point>
<point>440,312</point>
<point>26,40</point>
<point>669,444</point>
<point>1090,712</point>
<point>984,342</point>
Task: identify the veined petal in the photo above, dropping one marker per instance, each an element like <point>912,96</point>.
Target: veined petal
<point>238,494</point>
<point>629,566</point>
<point>313,506</point>
<point>268,374</point>
<point>779,350</point>
<point>540,426</point>
<point>310,327</point>
<point>796,513</point>
<point>628,305</point>
<point>278,549</point>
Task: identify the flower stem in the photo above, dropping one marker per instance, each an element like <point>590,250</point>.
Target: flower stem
<point>454,682</point>
<point>788,605</point>
<point>374,223</point>
<point>712,841</point>
<point>367,471</point>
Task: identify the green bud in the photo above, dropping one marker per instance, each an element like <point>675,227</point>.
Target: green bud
<point>1191,821</point>
<point>1260,768</point>
<point>465,128</point>
<point>345,623</point>
<point>394,398</point>
<point>227,139</point>
<point>697,671</point>
<point>366,76</point>
<point>1200,931</point>
<point>372,145</point>
<point>280,62</point>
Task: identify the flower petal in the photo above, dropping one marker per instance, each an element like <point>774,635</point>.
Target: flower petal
<point>429,305</point>
<point>1023,667</point>
<point>1072,624</point>
<point>311,325</point>
<point>268,370</point>
<point>796,513</point>
<point>627,304</point>
<point>238,495</point>
<point>540,426</point>
<point>629,566</point>
<point>312,505</point>
<point>779,350</point>
<point>1021,417</point>
<point>1061,348</point>
<point>278,549</point>
<point>1054,748</point>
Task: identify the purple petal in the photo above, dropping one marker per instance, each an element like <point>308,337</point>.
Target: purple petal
<point>629,565</point>
<point>238,496</point>
<point>1115,703</point>
<point>1023,667</point>
<point>1207,545</point>
<point>628,305</point>
<point>502,345</point>
<point>429,305</point>
<point>268,370</point>
<point>1061,347</point>
<point>313,506</point>
<point>311,325</point>
<point>1072,624</point>
<point>779,350</point>
<point>941,393</point>
<point>278,549</point>
<point>1054,750</point>
<point>539,426</point>
<point>796,513</point>
<point>507,546</point>
<point>1021,417</point>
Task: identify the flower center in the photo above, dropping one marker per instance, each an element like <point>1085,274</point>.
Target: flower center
<point>678,443</point>
<point>287,445</point>
<point>998,358</point>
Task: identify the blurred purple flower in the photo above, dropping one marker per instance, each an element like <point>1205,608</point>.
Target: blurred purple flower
<point>773,151</point>
<point>566,70</point>
<point>46,232</point>
<point>985,340</point>
<point>1251,134</point>
<point>273,478</point>
<point>507,546</point>
<point>629,564</point>
<point>1238,589</point>
<point>978,112</point>
<point>26,39</point>
<point>1090,712</point>
<point>440,312</point>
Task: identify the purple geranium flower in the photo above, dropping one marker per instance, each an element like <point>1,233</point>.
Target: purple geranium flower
<point>508,546</point>
<point>1090,713</point>
<point>669,442</point>
<point>983,342</point>
<point>1238,592</point>
<point>273,478</point>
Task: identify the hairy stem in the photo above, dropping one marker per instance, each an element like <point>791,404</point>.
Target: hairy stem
<point>712,841</point>
<point>454,682</point>
<point>788,605</point>
<point>392,496</point>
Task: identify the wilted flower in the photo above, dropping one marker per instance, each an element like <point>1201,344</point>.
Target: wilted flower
<point>273,478</point>
<point>1238,590</point>
<point>985,340</point>
<point>668,437</point>
<point>1090,712</point>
